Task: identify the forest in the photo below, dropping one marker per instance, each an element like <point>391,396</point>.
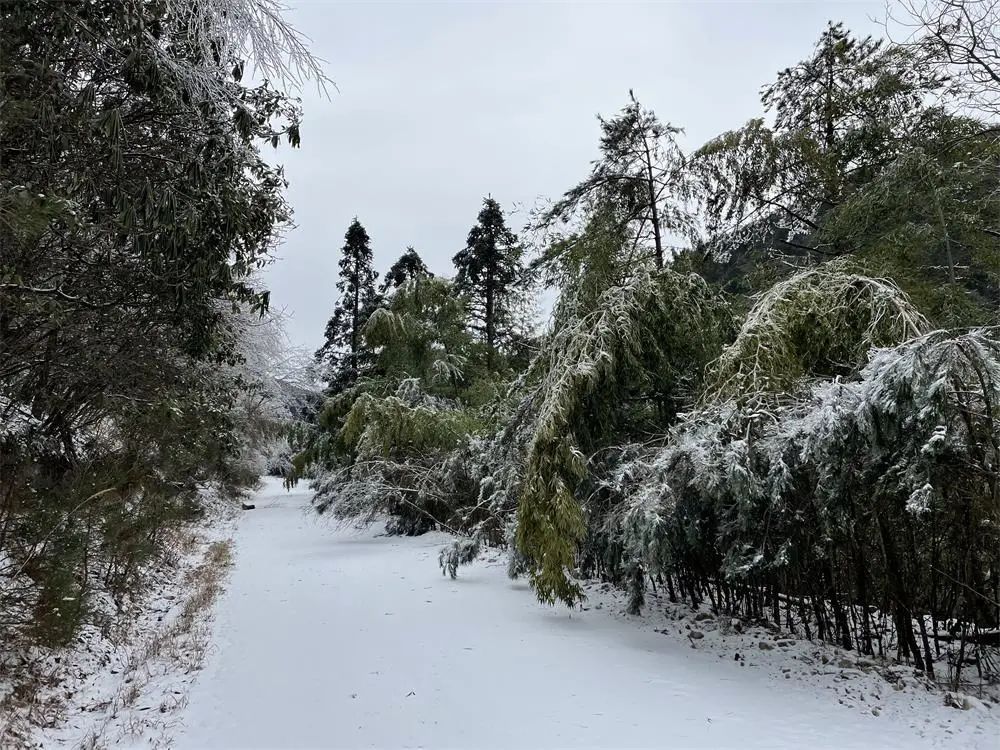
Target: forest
<point>769,384</point>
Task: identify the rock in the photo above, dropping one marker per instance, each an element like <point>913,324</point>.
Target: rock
<point>702,616</point>
<point>696,635</point>
<point>805,659</point>
<point>876,711</point>
<point>845,664</point>
<point>248,506</point>
<point>765,646</point>
<point>784,642</point>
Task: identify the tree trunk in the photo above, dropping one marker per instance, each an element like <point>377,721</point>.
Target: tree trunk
<point>655,214</point>
<point>490,321</point>
<point>354,319</point>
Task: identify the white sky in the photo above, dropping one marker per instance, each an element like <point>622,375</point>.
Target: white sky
<point>442,103</point>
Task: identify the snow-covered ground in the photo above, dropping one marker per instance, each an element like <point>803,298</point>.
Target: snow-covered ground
<point>340,638</point>
<point>125,676</point>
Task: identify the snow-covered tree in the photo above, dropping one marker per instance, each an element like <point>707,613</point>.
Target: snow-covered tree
<point>135,205</point>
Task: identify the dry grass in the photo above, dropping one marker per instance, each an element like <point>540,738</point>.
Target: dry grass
<point>182,644</point>
<point>177,645</point>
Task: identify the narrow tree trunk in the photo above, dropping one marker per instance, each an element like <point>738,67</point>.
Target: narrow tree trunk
<point>650,184</point>
<point>655,214</point>
<point>491,330</point>
<point>355,322</point>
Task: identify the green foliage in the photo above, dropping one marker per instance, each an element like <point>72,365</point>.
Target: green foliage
<point>421,334</point>
<point>389,426</point>
<point>135,207</point>
<point>819,322</point>
<point>594,360</point>
<point>810,453</point>
<point>392,442</point>
<point>839,116</point>
<point>639,178</point>
<point>489,272</point>
<point>878,489</point>
<point>583,264</point>
<point>926,222</point>
<point>408,266</point>
<point>344,356</point>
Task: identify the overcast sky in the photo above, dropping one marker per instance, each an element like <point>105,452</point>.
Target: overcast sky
<point>440,104</point>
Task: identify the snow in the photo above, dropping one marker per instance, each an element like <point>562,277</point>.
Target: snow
<point>126,674</point>
<point>344,638</point>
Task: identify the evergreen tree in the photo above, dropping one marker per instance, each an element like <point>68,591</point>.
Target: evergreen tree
<point>344,352</point>
<point>489,270</point>
<point>408,266</point>
<point>585,262</point>
<point>639,173</point>
<point>840,117</point>
<point>135,204</point>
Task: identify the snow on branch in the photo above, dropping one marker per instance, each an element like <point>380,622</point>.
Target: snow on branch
<point>822,321</point>
<point>224,34</point>
<point>898,463</point>
<point>595,351</point>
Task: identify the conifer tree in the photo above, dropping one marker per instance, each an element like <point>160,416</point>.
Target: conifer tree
<point>840,117</point>
<point>640,173</point>
<point>489,271</point>
<point>408,266</point>
<point>344,352</point>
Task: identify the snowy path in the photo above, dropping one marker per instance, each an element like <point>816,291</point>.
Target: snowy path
<point>342,639</point>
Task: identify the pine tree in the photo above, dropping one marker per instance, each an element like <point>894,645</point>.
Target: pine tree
<point>344,352</point>
<point>640,173</point>
<point>489,271</point>
<point>408,266</point>
<point>840,116</point>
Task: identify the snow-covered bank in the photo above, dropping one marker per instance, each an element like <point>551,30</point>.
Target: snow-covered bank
<point>126,674</point>
<point>337,638</point>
